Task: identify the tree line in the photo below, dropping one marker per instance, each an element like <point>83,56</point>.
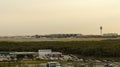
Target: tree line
<point>104,48</point>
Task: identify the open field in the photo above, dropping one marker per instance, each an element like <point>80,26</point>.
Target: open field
<point>53,39</point>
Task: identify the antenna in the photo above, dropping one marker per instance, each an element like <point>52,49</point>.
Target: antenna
<point>101,30</point>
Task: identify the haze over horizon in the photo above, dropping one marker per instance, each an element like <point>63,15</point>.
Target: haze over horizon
<point>29,17</point>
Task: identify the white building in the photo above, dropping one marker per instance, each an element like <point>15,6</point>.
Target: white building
<point>44,52</point>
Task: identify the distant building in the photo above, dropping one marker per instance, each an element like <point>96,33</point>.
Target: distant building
<point>44,52</point>
<point>48,54</point>
<point>110,35</point>
<point>23,55</point>
<point>55,55</point>
<point>4,56</point>
<point>53,64</point>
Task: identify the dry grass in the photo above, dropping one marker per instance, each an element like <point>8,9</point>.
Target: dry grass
<point>53,39</point>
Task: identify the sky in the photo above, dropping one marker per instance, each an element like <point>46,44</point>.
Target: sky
<point>30,17</point>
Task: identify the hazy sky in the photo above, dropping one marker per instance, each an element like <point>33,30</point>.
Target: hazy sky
<point>28,17</point>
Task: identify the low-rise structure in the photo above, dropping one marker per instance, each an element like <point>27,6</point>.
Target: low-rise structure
<point>4,56</point>
<point>44,52</point>
<point>48,54</point>
<point>110,35</point>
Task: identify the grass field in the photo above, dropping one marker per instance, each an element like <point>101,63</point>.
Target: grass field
<point>53,39</point>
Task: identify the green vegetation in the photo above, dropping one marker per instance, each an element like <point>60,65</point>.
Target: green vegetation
<point>103,48</point>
